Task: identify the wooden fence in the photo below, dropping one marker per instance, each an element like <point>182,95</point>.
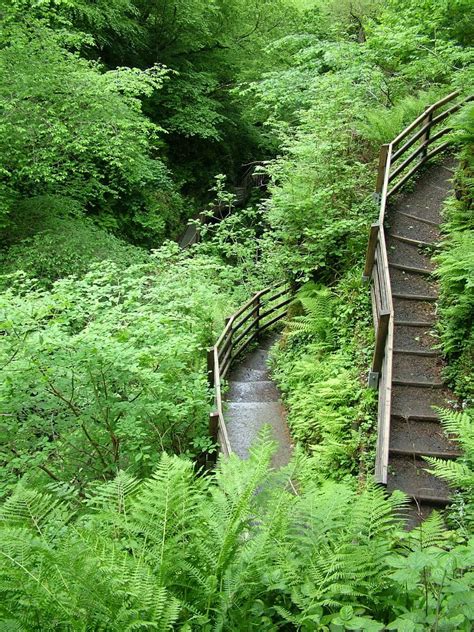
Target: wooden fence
<point>396,166</point>
<point>245,326</point>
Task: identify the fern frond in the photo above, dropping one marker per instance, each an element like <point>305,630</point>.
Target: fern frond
<point>27,507</point>
<point>115,495</point>
<point>456,473</point>
<point>429,533</point>
<point>317,303</point>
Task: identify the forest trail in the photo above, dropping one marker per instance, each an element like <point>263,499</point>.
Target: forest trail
<point>412,230</point>
<point>253,401</point>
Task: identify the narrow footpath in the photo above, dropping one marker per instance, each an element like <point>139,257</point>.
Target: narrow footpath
<point>253,401</point>
<point>412,231</point>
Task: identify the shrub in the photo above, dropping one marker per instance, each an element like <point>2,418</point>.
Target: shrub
<point>70,246</point>
<point>107,371</point>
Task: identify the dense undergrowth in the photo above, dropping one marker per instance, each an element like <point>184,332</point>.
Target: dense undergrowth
<point>456,266</point>
<point>116,117</point>
<point>235,552</point>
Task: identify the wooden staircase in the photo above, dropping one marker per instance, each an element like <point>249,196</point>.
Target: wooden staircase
<point>407,367</point>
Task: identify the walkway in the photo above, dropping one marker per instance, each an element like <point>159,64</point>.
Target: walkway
<point>253,401</point>
<point>412,229</point>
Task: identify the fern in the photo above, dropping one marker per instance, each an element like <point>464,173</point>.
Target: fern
<point>233,551</point>
<point>459,474</point>
<point>317,321</point>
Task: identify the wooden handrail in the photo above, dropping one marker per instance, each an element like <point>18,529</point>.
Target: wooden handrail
<point>257,314</point>
<point>389,181</point>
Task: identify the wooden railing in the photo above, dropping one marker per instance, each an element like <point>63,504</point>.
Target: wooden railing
<point>262,311</point>
<point>412,148</point>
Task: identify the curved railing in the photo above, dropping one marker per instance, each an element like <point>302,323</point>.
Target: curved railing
<point>245,326</point>
<point>423,135</point>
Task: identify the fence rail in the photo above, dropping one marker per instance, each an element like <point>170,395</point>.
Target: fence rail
<point>245,326</point>
<point>397,164</point>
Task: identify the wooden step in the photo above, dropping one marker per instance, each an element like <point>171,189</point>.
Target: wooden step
<point>411,476</point>
<point>412,283</point>
<point>412,402</point>
<point>415,297</point>
<point>419,219</point>
<point>429,418</point>
<point>412,269</point>
<point>418,311</point>
<point>408,254</point>
<point>417,366</point>
<point>417,352</point>
<point>421,437</point>
<point>414,242</point>
<point>414,323</point>
<point>415,229</point>
<point>415,339</point>
<point>418,383</point>
<point>419,454</point>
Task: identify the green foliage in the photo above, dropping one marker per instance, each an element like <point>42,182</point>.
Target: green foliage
<point>317,369</point>
<point>456,266</point>
<point>432,581</point>
<point>459,473</point>
<point>66,246</point>
<point>235,551</point>
<point>93,145</point>
<point>105,372</point>
<point>349,77</point>
<point>384,123</point>
<point>317,321</point>
<point>319,206</point>
<point>119,111</point>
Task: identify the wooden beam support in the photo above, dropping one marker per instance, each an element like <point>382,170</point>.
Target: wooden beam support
<point>214,426</point>
<point>381,339</point>
<point>381,171</point>
<point>370,257</point>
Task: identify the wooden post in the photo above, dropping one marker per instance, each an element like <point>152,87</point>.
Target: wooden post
<point>371,248</point>
<point>381,171</point>
<point>382,333</point>
<point>426,136</point>
<point>214,426</point>
<point>256,315</point>
<point>211,368</point>
<point>231,334</point>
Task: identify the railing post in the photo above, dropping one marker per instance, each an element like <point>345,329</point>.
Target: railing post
<point>214,426</point>
<point>370,257</point>
<point>211,367</point>
<point>256,315</point>
<point>381,339</point>
<point>381,171</point>
<point>426,136</point>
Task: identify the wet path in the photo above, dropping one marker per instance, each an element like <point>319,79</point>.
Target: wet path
<point>253,401</point>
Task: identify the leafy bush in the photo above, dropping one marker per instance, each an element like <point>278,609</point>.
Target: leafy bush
<point>107,371</point>
<point>72,130</point>
<point>69,247</point>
